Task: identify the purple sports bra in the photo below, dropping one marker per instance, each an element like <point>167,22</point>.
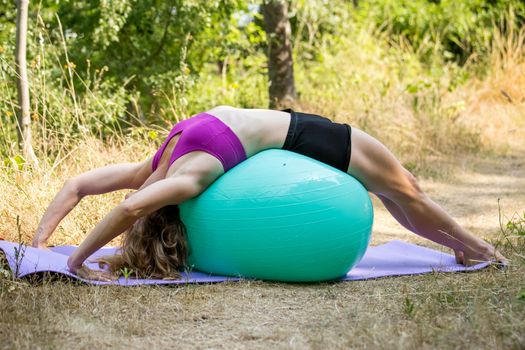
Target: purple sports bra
<point>204,132</point>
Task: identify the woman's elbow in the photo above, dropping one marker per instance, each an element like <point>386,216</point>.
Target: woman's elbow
<point>130,209</point>
<point>72,188</point>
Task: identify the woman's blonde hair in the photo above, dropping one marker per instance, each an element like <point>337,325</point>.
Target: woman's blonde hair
<point>155,246</point>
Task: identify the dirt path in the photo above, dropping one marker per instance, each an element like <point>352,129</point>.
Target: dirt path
<point>470,195</point>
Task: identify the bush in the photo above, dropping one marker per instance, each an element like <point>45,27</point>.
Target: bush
<point>456,28</point>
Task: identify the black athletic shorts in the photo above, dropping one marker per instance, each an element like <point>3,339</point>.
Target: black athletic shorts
<point>319,138</point>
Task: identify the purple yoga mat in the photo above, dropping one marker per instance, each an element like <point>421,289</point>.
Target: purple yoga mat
<point>395,258</point>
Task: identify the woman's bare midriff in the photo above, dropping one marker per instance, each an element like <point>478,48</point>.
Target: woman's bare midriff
<point>258,129</point>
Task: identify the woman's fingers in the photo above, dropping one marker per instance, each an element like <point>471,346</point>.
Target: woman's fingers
<point>107,276</point>
<point>40,245</point>
<point>104,277</point>
<point>96,275</point>
<point>459,257</point>
<point>501,261</point>
<point>36,243</point>
<point>496,259</point>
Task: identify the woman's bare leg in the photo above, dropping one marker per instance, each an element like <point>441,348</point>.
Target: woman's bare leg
<point>396,212</point>
<point>382,174</point>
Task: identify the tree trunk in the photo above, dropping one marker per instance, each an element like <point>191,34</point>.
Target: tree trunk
<point>280,60</point>
<point>23,112</point>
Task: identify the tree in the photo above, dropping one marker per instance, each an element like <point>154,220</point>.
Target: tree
<point>152,45</point>
<point>23,112</point>
<point>280,61</point>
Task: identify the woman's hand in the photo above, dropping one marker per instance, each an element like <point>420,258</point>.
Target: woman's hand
<point>39,243</point>
<point>86,273</point>
<point>486,254</point>
<point>78,267</point>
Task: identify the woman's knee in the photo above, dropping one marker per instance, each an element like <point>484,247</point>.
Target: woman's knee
<point>380,171</point>
<point>407,189</point>
<point>403,189</point>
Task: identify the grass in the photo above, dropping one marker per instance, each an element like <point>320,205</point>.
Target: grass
<point>441,120</point>
<point>479,310</point>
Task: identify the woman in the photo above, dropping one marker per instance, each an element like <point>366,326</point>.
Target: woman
<point>199,150</point>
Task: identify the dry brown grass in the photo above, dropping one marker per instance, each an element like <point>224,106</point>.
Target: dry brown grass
<point>480,310</point>
<point>495,105</point>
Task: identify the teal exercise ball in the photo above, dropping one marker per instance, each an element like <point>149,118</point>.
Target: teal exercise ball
<point>279,216</point>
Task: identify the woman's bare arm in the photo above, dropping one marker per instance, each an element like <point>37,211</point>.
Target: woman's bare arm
<point>170,191</point>
<point>97,181</point>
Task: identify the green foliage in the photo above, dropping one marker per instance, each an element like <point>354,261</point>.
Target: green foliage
<point>516,225</point>
<point>98,67</point>
<point>147,44</point>
<point>127,273</point>
<point>7,25</point>
<point>457,29</point>
<point>513,236</point>
<point>16,162</point>
<point>409,307</point>
<point>5,272</point>
<point>314,21</point>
